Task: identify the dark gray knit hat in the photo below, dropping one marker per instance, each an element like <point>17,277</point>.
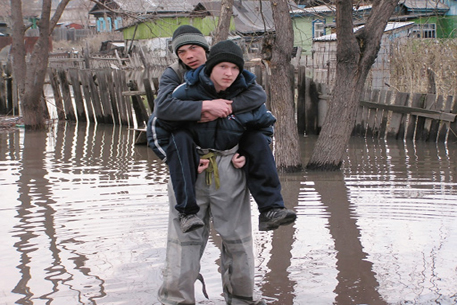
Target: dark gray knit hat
<point>225,50</point>
<point>187,34</point>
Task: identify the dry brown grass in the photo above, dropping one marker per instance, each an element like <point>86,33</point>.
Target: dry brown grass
<point>424,65</point>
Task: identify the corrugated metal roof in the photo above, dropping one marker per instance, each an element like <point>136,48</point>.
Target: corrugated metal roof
<point>159,6</point>
<point>248,18</point>
<point>424,4</point>
<point>325,9</point>
<point>389,27</point>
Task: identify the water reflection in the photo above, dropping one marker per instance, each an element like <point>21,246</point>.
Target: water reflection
<point>84,217</point>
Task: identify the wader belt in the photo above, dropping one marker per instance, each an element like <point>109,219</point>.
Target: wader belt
<point>212,170</point>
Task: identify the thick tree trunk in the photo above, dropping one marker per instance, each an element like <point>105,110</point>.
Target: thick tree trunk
<point>356,54</point>
<point>286,144</point>
<point>18,46</point>
<point>223,25</point>
<point>30,78</point>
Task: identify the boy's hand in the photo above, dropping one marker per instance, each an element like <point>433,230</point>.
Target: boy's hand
<point>218,108</point>
<point>204,163</point>
<point>238,161</point>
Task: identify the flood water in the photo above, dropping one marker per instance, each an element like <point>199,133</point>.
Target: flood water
<point>84,217</point>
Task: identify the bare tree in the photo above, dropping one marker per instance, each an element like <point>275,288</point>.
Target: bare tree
<point>30,75</point>
<point>223,25</point>
<point>277,53</point>
<point>356,53</point>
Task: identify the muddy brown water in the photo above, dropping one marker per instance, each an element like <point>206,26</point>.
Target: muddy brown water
<point>84,215</point>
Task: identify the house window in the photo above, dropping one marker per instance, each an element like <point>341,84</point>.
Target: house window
<point>426,30</point>
<point>118,23</point>
<point>318,28</point>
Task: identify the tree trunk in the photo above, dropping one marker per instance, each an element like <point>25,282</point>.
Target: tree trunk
<point>223,25</point>
<point>30,78</point>
<point>286,144</point>
<point>356,53</point>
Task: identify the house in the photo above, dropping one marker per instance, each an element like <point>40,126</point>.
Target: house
<point>432,18</point>
<point>324,55</point>
<point>313,22</point>
<point>106,18</point>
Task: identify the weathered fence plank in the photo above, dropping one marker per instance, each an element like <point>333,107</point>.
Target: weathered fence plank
<point>67,100</point>
<point>112,97</point>
<point>118,87</point>
<point>104,97</point>
<point>95,96</point>
<point>137,103</point>
<point>444,127</point>
<point>87,95</point>
<point>127,101</point>
<point>372,114</point>
<point>396,126</point>
<point>423,128</point>
<point>77,95</point>
<point>301,102</point>
<point>53,79</point>
<point>417,101</point>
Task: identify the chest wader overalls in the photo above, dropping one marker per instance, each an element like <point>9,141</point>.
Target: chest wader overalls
<point>229,209</point>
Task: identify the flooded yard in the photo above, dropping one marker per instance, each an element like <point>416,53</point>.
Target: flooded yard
<point>84,218</point>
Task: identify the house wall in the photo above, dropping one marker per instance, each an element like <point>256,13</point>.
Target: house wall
<point>449,26</point>
<point>445,25</point>
<point>164,27</point>
<point>303,32</point>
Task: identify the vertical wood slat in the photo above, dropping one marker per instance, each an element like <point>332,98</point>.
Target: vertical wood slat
<point>67,101</point>
<point>444,127</point>
<point>358,128</point>
<point>137,103</point>
<point>112,97</point>
<point>423,124</point>
<point>384,116</point>
<point>396,124</point>
<point>77,95</point>
<point>87,94</point>
<point>149,94</point>
<point>435,124</point>
<point>301,103</point>
<point>417,101</point>
<point>95,96</point>
<point>452,135</point>
<point>126,100</point>
<point>53,78</point>
<point>118,86</point>
<point>104,97</point>
<point>372,114</point>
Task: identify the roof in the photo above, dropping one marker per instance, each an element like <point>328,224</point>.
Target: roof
<point>247,15</point>
<point>389,27</point>
<point>324,9</point>
<point>148,6</point>
<point>424,5</point>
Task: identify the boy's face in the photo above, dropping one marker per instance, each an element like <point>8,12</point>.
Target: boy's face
<point>192,55</point>
<point>223,75</point>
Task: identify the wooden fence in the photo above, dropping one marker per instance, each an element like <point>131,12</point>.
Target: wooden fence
<point>400,115</point>
<point>126,97</point>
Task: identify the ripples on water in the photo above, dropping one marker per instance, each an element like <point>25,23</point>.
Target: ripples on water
<point>84,218</point>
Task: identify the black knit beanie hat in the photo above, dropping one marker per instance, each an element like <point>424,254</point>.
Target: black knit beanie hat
<point>187,34</point>
<point>227,51</point>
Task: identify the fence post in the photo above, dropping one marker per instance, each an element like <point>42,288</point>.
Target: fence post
<point>301,100</point>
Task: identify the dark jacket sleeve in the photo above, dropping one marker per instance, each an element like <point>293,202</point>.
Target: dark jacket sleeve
<point>260,119</point>
<point>168,108</point>
<point>251,98</point>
